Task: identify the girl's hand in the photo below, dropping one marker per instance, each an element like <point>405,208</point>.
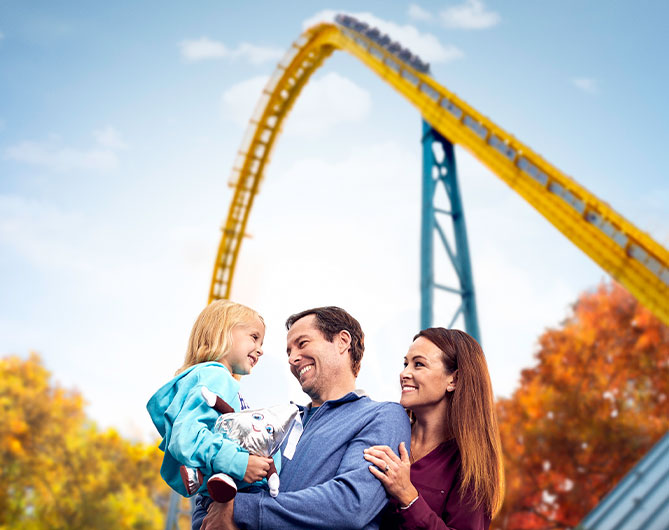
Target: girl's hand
<point>392,471</point>
<point>257,468</point>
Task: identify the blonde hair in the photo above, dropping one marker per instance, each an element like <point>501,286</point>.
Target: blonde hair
<point>211,336</point>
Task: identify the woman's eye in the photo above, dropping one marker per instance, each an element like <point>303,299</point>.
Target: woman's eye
<point>418,363</point>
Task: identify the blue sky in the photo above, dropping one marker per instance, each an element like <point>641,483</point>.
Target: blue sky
<point>119,124</point>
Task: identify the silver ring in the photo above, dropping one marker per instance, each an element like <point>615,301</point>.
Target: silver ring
<point>387,468</point>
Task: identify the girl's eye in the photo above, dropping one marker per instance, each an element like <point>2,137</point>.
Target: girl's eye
<point>258,417</point>
<point>269,429</point>
<point>405,364</point>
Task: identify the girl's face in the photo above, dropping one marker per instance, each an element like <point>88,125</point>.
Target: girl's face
<point>246,350</point>
<point>424,380</point>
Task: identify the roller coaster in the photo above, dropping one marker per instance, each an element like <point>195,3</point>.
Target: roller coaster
<point>628,254</point>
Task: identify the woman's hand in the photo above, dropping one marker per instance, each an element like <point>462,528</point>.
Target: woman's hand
<point>392,471</point>
<point>257,468</point>
<point>219,517</point>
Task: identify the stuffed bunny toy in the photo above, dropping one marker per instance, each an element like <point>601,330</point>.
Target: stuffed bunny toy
<point>259,431</point>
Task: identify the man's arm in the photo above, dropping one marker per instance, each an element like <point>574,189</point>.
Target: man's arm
<point>350,499</point>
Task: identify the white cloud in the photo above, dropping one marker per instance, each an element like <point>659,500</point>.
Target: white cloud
<point>238,101</point>
<point>470,15</point>
<point>57,158</point>
<point>205,48</point>
<point>257,54</point>
<point>325,102</point>
<point>51,154</point>
<point>93,267</point>
<point>202,48</point>
<point>418,13</point>
<point>586,84</point>
<point>110,137</point>
<point>39,231</point>
<point>426,45</point>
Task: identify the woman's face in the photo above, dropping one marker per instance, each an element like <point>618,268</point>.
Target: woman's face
<point>424,380</point>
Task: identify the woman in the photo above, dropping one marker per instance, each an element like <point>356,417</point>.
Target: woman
<point>454,476</point>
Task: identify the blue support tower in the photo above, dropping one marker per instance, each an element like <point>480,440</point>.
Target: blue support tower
<point>439,168</point>
<point>175,510</point>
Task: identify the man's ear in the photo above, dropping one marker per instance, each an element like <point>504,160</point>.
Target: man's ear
<point>343,341</point>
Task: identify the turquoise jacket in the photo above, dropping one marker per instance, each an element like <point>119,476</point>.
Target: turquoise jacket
<point>186,423</point>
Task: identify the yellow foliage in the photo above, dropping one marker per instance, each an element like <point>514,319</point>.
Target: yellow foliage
<point>57,470</point>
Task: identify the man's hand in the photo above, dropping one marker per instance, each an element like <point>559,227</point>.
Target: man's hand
<point>257,468</point>
<point>219,517</point>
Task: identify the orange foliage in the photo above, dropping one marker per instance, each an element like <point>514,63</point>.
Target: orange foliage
<point>593,405</point>
<point>57,470</point>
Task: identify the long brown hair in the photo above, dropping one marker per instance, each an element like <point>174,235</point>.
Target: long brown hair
<point>471,417</point>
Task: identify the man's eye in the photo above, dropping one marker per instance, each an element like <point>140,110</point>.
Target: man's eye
<point>302,343</point>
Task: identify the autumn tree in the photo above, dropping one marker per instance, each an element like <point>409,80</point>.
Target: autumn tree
<point>58,470</point>
<point>593,405</point>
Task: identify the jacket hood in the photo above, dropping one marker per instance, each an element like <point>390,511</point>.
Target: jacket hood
<point>161,400</point>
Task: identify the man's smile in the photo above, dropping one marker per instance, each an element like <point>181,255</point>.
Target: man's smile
<point>304,370</point>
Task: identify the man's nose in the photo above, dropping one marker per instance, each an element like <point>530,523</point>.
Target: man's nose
<point>294,358</point>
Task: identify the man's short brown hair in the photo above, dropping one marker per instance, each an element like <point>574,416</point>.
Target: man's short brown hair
<point>331,320</point>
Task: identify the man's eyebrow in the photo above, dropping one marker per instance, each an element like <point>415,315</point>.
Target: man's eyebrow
<point>297,339</point>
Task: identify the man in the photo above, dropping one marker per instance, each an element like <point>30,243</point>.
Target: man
<point>327,483</point>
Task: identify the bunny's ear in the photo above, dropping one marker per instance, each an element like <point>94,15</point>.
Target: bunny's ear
<point>215,401</point>
<point>208,396</point>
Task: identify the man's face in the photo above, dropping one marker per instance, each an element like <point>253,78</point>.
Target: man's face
<point>314,361</point>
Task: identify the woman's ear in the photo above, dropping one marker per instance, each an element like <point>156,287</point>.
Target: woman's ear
<point>452,380</point>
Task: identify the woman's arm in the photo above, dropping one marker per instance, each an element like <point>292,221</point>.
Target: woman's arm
<point>413,511</point>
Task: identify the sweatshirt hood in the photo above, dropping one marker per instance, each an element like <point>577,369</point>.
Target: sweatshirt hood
<point>163,398</point>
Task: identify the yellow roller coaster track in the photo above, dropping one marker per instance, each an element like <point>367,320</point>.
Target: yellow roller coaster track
<point>628,254</point>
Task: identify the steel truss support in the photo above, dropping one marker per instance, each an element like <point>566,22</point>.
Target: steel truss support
<point>175,510</point>
<point>439,168</point>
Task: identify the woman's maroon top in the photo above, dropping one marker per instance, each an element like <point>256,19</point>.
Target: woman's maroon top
<point>436,476</point>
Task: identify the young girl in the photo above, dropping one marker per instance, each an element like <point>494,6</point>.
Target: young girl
<point>226,341</point>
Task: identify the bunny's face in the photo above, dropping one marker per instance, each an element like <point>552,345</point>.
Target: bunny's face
<point>259,431</point>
